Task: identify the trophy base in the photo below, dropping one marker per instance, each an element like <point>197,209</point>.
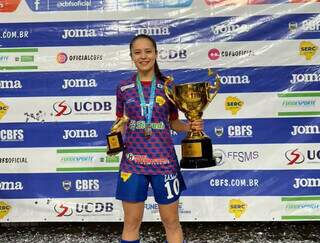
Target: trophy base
<point>197,153</point>
<point>114,143</point>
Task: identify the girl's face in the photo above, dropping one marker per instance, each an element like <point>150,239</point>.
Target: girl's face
<point>143,55</point>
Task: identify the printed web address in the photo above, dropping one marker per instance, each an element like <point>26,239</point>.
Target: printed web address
<point>234,183</point>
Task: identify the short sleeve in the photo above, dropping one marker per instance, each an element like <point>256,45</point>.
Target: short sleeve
<point>120,102</point>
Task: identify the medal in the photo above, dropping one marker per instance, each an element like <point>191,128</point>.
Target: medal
<point>148,131</point>
<point>146,109</point>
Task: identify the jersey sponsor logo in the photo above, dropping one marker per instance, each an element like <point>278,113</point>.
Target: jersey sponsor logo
<point>11,135</point>
<point>136,125</point>
<point>233,104</point>
<point>305,78</point>
<point>79,134</point>
<point>10,84</point>
<point>79,83</point>
<point>306,182</point>
<point>160,100</point>
<point>125,87</point>
<point>11,186</point>
<point>144,159</point>
<point>307,49</point>
<point>305,130</point>
<point>78,33</point>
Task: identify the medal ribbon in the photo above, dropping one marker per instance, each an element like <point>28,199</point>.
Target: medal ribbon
<point>146,109</point>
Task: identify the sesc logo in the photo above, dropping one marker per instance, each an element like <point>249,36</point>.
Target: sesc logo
<point>237,207</point>
<point>87,185</point>
<point>11,135</point>
<point>11,186</point>
<point>173,55</point>
<point>10,84</point>
<point>3,109</point>
<point>154,30</point>
<point>79,33</point>
<point>75,134</point>
<point>4,209</point>
<point>237,131</point>
<point>308,129</point>
<point>233,104</point>
<point>79,83</point>
<point>307,49</point>
<point>62,58</point>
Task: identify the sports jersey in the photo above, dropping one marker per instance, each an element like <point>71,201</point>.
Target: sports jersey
<point>142,155</point>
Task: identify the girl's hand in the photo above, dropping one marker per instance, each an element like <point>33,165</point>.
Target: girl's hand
<point>196,125</point>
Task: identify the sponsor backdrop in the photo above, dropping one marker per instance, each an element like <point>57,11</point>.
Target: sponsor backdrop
<point>60,63</point>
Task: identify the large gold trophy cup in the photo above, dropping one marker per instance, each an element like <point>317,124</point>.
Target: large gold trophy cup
<point>192,99</point>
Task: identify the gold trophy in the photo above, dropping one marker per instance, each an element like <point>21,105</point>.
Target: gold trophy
<point>114,138</point>
<point>192,99</point>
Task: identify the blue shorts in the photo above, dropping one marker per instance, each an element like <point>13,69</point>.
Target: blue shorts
<point>134,187</point>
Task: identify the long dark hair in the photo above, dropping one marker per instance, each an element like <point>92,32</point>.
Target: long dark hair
<point>157,71</point>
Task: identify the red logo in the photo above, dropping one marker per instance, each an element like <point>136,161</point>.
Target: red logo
<point>214,54</point>
<point>62,58</point>
<point>9,5</point>
<point>62,108</point>
<point>62,210</point>
<point>294,157</point>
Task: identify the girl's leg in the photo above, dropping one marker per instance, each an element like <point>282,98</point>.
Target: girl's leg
<point>133,213</point>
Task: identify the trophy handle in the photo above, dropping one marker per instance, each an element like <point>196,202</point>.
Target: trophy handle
<point>119,123</point>
<point>214,87</point>
<point>168,91</point>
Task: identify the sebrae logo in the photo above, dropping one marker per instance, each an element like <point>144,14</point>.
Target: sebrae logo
<point>237,207</point>
<point>307,49</point>
<point>9,5</point>
<point>233,104</point>
<point>3,109</point>
<point>4,209</point>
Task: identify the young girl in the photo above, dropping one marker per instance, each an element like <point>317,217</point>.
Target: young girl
<point>149,155</point>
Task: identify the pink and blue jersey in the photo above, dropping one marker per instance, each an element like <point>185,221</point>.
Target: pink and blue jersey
<point>149,156</point>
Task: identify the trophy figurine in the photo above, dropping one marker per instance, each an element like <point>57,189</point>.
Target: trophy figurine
<point>192,99</point>
<point>114,138</point>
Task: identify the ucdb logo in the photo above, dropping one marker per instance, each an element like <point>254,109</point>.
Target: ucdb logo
<point>307,49</point>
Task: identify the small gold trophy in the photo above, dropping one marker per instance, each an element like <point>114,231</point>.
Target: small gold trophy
<point>192,99</point>
<point>114,138</point>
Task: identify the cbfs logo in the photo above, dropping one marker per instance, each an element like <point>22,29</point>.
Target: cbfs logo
<point>11,135</point>
<point>79,83</point>
<point>237,131</point>
<point>79,134</point>
<point>307,49</point>
<point>62,58</point>
<point>87,185</point>
<point>173,55</point>
<point>233,104</point>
